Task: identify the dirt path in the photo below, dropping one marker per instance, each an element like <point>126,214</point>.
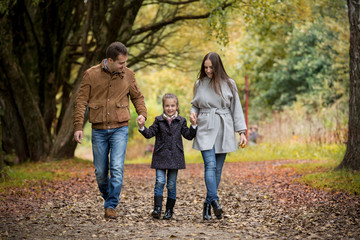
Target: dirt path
<point>261,201</point>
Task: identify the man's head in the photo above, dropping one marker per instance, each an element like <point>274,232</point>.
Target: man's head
<point>117,56</point>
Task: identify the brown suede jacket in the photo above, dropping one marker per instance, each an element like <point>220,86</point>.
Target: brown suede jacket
<point>107,97</point>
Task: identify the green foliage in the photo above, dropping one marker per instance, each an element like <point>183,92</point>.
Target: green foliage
<point>307,64</point>
<point>5,6</point>
<point>307,67</point>
<point>297,52</point>
<point>218,20</point>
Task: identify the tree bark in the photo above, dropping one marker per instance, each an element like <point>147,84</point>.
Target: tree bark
<point>13,139</point>
<point>352,156</point>
<point>36,135</point>
<point>64,145</point>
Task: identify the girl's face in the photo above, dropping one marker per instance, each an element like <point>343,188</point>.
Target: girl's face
<point>208,68</point>
<point>170,106</point>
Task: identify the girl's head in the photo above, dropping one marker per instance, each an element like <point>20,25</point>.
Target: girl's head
<point>170,104</point>
<point>213,68</point>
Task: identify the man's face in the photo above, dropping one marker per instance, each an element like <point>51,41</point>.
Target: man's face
<point>118,64</point>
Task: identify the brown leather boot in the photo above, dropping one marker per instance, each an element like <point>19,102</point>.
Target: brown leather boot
<point>110,213</point>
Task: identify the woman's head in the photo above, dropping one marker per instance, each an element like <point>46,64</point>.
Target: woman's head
<point>213,68</point>
<point>170,104</point>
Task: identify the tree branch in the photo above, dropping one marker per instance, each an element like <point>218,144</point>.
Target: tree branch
<point>159,25</point>
<point>171,2</point>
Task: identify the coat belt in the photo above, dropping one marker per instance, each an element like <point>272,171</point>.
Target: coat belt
<point>211,123</point>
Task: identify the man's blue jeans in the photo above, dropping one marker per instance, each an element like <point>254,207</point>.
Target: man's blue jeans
<point>213,168</point>
<point>170,185</point>
<point>111,142</point>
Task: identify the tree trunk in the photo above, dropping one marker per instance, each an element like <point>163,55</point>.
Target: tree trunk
<point>36,135</point>
<point>352,156</point>
<point>13,139</point>
<point>64,145</point>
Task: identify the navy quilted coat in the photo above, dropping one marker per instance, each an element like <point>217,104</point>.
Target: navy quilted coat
<point>168,151</point>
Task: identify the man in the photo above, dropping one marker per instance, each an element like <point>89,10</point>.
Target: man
<point>105,90</point>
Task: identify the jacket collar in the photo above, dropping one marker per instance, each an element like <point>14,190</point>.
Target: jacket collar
<point>161,118</point>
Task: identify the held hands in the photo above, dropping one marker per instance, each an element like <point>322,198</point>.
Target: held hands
<point>140,121</point>
<point>78,136</point>
<point>193,118</point>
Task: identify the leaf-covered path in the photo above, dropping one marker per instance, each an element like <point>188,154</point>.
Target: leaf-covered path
<point>261,201</point>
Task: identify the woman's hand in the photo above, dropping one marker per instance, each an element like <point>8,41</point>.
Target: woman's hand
<point>243,140</point>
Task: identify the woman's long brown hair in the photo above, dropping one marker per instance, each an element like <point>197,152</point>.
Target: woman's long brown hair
<point>219,73</point>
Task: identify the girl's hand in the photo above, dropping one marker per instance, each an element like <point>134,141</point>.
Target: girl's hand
<point>193,118</point>
<point>243,140</point>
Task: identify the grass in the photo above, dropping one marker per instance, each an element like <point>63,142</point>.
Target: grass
<point>319,172</point>
<point>322,175</point>
<point>29,173</point>
<point>267,152</point>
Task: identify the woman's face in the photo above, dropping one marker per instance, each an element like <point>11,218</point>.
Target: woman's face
<point>208,68</point>
<point>170,106</point>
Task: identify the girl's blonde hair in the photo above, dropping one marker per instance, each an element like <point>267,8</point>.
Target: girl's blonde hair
<point>171,96</point>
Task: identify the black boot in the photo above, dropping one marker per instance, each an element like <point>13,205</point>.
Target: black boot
<point>207,211</point>
<point>217,209</point>
<point>170,203</point>
<point>157,207</point>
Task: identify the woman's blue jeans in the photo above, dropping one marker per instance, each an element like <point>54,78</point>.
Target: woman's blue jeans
<point>105,143</point>
<point>213,167</point>
<point>170,185</point>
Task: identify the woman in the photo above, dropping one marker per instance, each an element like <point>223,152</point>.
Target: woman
<point>217,106</point>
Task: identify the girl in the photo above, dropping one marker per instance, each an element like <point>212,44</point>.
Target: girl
<point>217,106</point>
<point>168,151</point>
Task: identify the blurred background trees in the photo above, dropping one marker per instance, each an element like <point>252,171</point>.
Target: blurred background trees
<point>47,45</point>
<point>295,54</point>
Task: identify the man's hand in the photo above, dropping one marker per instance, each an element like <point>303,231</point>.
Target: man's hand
<point>78,136</point>
<point>140,121</point>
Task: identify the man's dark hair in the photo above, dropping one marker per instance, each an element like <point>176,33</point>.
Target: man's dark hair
<point>115,49</point>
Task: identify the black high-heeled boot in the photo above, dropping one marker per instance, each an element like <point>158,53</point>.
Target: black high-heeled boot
<point>157,207</point>
<point>207,211</point>
<point>217,209</point>
<point>170,203</point>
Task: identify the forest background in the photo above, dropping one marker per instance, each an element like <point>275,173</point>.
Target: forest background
<point>298,72</point>
<point>294,53</point>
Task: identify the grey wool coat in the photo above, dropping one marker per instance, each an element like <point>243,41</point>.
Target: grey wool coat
<point>168,151</point>
<point>219,117</point>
